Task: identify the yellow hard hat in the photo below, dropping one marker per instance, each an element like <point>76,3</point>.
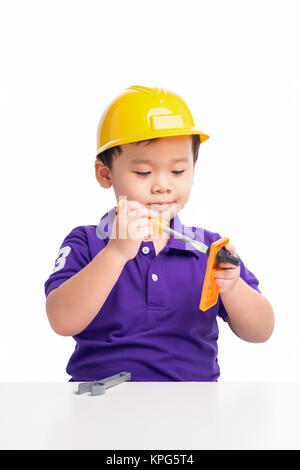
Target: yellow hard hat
<point>142,113</point>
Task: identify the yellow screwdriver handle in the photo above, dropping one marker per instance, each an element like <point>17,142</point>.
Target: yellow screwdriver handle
<point>158,224</point>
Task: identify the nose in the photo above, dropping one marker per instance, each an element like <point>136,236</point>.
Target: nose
<point>161,184</point>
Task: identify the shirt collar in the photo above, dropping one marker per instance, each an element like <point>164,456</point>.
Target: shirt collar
<point>104,229</point>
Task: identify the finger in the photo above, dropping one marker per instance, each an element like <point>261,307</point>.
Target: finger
<point>139,232</point>
<point>134,209</point>
<point>127,208</point>
<point>231,248</point>
<point>225,275</point>
<point>227,266</point>
<point>140,224</point>
<point>124,204</point>
<point>143,222</point>
<point>222,287</point>
<point>220,282</point>
<point>225,279</point>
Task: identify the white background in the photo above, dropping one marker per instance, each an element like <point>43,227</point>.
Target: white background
<point>236,64</point>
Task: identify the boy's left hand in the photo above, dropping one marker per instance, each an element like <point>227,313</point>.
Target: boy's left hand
<point>227,275</point>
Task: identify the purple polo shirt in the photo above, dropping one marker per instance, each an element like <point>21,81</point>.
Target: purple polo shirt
<point>150,324</point>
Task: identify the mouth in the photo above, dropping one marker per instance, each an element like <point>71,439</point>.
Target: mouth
<point>161,206</point>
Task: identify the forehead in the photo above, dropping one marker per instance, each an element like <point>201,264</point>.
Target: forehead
<point>174,148</point>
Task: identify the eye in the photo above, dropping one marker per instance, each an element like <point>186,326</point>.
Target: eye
<point>142,173</point>
<point>145,173</point>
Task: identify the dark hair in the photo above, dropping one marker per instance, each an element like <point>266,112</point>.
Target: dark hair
<point>107,156</point>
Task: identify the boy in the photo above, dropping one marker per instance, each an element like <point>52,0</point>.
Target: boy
<point>129,297</point>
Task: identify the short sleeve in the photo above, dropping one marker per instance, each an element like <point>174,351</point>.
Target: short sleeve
<point>249,278</point>
<point>73,255</point>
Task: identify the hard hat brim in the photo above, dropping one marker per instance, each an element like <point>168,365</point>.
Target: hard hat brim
<point>114,143</point>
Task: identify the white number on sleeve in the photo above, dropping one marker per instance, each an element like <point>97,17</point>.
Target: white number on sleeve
<point>61,258</point>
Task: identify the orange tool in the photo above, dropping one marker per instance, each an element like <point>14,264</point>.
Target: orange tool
<point>216,254</point>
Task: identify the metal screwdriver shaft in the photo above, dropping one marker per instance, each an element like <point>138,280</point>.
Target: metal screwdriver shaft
<point>197,245</point>
<point>223,256</point>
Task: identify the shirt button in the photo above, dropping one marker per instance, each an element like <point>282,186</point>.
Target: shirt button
<point>145,250</point>
<point>154,277</point>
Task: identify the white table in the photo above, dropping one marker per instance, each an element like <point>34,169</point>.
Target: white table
<point>151,415</point>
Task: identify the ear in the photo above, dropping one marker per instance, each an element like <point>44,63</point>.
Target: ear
<point>103,174</point>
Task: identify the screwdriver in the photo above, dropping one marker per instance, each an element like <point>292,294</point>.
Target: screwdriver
<point>222,256</point>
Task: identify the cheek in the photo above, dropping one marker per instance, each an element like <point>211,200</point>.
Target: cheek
<point>185,185</point>
<point>133,186</point>
<point>126,181</point>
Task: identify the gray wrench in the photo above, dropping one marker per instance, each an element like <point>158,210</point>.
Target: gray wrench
<point>99,387</point>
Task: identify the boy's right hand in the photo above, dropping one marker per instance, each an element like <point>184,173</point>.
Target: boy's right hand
<point>131,226</point>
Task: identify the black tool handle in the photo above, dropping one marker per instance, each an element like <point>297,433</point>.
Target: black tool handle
<point>224,256</point>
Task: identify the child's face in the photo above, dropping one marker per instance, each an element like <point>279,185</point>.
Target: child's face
<point>160,182</point>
